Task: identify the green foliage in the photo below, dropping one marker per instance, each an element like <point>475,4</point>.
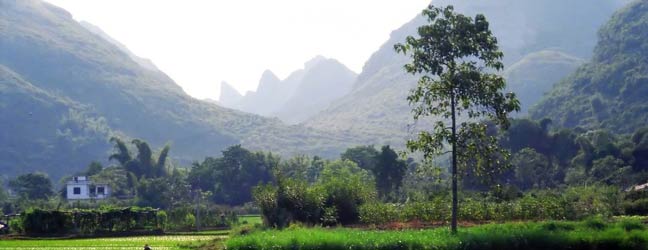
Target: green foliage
<point>608,92</point>
<point>144,164</point>
<point>458,50</point>
<point>32,186</point>
<point>378,213</point>
<point>334,199</point>
<point>573,203</point>
<point>542,158</point>
<point>105,220</point>
<point>232,177</point>
<point>385,165</point>
<point>364,156</point>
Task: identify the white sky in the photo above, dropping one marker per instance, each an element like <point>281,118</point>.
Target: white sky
<point>200,43</point>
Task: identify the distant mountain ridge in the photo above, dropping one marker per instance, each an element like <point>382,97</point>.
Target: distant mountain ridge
<point>302,94</point>
<point>377,105</point>
<point>45,48</point>
<point>144,62</point>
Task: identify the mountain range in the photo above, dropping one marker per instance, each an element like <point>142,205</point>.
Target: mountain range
<point>67,69</point>
<point>301,95</point>
<point>542,42</point>
<point>67,87</point>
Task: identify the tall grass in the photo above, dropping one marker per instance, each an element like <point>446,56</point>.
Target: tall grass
<point>528,236</point>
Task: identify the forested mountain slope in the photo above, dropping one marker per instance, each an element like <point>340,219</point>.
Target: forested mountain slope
<point>42,45</point>
<point>611,90</point>
<point>377,105</point>
<point>40,130</point>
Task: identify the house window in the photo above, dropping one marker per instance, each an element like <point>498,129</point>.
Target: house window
<point>101,190</point>
<point>77,190</point>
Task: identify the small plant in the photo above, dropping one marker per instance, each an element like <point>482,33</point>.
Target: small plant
<point>595,223</point>
<point>630,224</point>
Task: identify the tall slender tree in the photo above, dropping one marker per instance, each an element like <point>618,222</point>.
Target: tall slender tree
<point>455,55</point>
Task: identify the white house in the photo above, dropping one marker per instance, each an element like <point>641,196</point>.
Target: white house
<point>81,188</point>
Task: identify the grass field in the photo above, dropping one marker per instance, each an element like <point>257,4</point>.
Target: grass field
<point>122,243</point>
<point>591,234</point>
<point>178,240</point>
<point>250,219</point>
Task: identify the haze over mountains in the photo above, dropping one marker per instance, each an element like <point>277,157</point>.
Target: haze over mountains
<point>42,46</point>
<point>610,91</point>
<point>67,87</point>
<point>302,94</point>
<point>554,35</point>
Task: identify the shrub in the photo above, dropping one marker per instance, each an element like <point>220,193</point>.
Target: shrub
<point>636,207</point>
<point>378,213</point>
<point>630,224</point>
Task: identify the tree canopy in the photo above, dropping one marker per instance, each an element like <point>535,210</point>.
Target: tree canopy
<point>453,53</point>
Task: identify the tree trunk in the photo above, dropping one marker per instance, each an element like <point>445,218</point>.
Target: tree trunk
<point>454,166</point>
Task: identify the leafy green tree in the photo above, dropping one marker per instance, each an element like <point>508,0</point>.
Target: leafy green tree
<point>611,171</point>
<point>453,53</point>
<point>640,152</point>
<point>32,186</point>
<point>231,177</point>
<point>364,156</point>
<point>389,171</point>
<point>346,187</point>
<point>154,192</point>
<point>300,167</point>
<point>532,169</point>
<point>93,169</point>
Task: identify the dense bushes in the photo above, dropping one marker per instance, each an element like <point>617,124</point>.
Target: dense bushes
<point>571,204</point>
<point>37,221</point>
<point>334,199</point>
<point>211,216</point>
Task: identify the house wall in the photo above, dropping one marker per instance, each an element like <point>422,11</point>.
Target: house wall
<point>106,192</point>
<point>85,192</point>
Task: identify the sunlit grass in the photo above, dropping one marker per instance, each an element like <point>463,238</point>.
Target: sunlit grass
<point>593,234</point>
<point>170,242</point>
<point>250,219</point>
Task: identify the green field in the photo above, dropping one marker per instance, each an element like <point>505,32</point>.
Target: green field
<point>121,243</point>
<point>591,234</point>
<point>250,219</point>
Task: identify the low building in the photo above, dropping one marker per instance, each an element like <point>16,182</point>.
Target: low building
<point>82,188</point>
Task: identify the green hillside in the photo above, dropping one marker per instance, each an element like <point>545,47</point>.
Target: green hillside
<point>536,74</point>
<point>42,131</point>
<point>43,45</point>
<point>542,42</point>
<point>611,90</point>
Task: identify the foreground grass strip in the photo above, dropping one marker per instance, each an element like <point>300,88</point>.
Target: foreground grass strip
<point>121,243</point>
<point>511,236</point>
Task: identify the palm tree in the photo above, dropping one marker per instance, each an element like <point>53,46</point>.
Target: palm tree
<point>143,165</point>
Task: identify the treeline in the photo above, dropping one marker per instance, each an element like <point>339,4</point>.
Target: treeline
<point>216,186</point>
<point>542,158</point>
<point>314,190</point>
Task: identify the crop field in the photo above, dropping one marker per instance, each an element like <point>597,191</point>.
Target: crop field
<point>590,234</point>
<point>121,243</point>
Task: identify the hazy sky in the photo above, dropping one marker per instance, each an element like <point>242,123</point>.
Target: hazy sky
<point>200,43</point>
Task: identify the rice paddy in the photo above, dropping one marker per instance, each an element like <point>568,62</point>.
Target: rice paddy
<point>171,242</point>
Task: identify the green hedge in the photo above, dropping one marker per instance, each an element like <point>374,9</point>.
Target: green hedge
<point>87,222</point>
